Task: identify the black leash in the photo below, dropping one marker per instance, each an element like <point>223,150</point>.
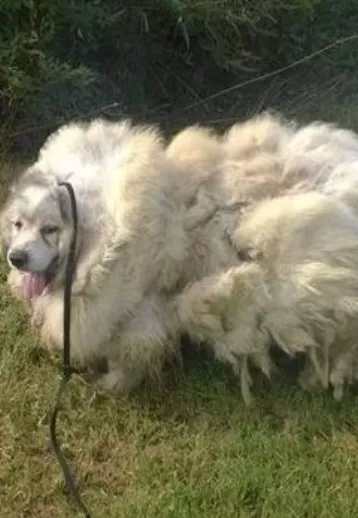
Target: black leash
<point>67,369</point>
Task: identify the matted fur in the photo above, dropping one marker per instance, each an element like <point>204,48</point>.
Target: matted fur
<point>301,291</point>
<point>156,219</point>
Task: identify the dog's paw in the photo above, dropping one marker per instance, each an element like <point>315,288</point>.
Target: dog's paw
<point>309,380</point>
<point>337,379</point>
<point>338,393</point>
<point>118,381</point>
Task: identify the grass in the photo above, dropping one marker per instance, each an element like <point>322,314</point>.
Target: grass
<point>185,449</point>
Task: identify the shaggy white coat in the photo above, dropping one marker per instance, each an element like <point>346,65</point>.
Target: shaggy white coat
<point>200,236</point>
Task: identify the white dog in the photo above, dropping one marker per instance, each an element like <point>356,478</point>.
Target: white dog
<point>155,219</point>
<point>130,241</point>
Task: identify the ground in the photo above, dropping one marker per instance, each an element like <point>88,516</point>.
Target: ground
<point>185,448</point>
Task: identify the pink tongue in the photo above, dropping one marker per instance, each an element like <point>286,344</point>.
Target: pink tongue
<point>33,284</point>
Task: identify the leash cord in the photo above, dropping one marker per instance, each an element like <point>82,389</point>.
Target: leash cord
<point>67,369</point>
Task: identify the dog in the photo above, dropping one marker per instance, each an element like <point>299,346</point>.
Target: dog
<point>128,241</point>
<point>135,247</point>
<point>154,218</point>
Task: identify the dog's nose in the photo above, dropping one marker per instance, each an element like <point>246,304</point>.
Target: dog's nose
<point>18,258</point>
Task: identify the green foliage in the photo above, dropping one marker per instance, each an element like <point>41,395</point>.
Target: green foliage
<point>258,35</point>
<point>67,58</point>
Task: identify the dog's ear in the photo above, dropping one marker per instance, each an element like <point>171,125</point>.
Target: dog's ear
<point>5,231</point>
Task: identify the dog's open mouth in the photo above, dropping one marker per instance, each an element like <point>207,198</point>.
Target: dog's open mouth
<point>33,284</point>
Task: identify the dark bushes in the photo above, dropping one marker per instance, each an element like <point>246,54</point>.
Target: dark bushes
<point>61,59</point>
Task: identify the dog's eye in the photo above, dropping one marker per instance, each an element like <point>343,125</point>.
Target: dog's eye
<point>49,229</point>
<point>17,224</point>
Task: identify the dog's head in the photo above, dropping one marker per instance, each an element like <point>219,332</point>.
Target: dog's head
<point>36,226</point>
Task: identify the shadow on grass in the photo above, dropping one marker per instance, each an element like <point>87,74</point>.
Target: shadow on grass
<point>200,387</point>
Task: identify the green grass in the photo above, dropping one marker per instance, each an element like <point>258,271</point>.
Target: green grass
<point>186,448</point>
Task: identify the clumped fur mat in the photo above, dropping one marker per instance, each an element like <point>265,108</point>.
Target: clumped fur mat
<point>186,448</point>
